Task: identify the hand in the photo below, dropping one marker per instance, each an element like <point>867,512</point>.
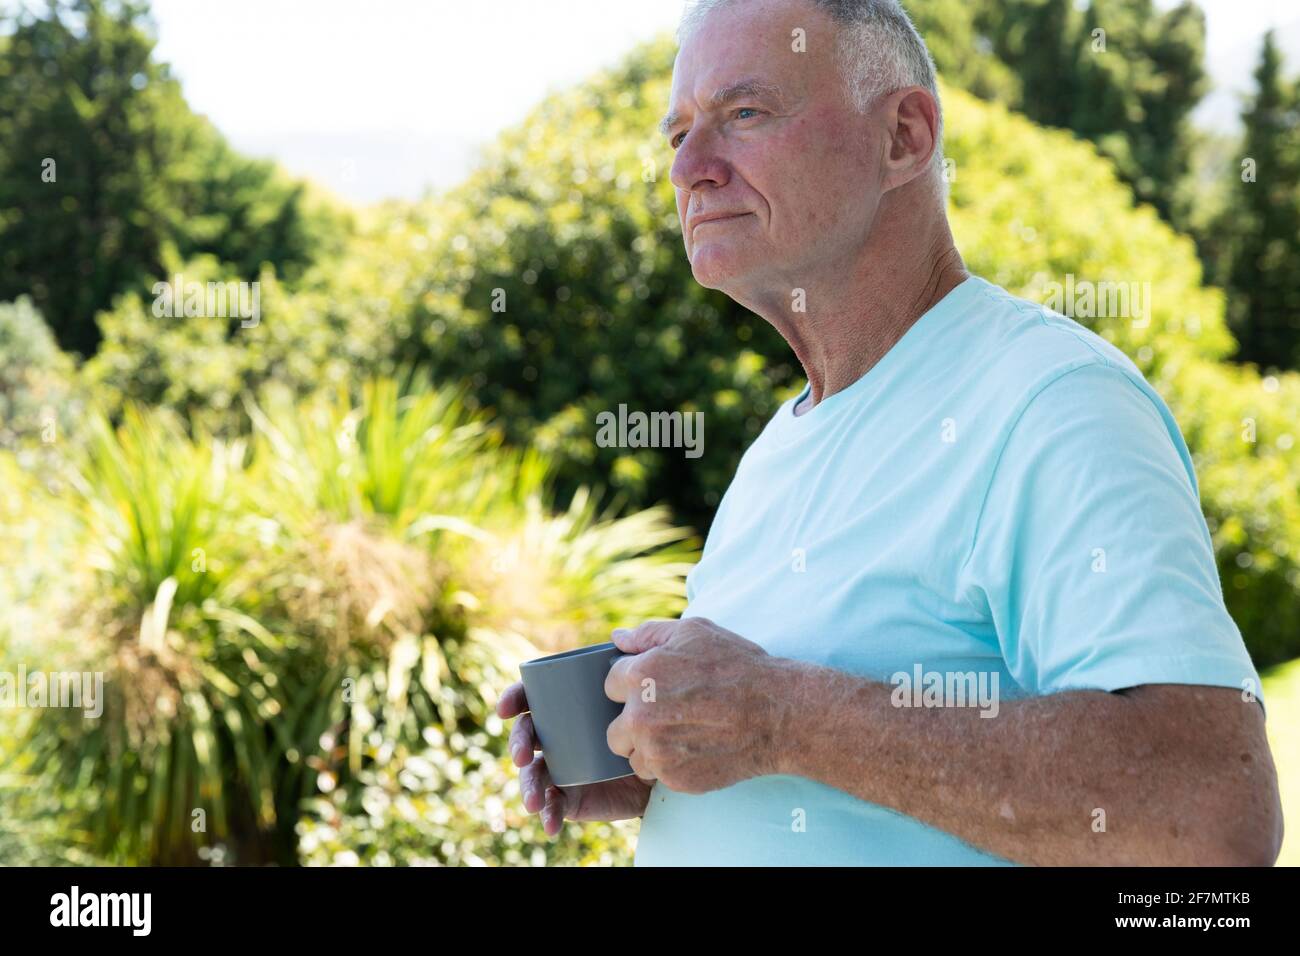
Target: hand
<point>703,707</point>
<point>619,799</point>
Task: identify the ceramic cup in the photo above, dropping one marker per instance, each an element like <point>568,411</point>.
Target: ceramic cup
<point>566,696</point>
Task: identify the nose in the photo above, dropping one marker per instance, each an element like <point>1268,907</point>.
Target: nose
<point>698,164</point>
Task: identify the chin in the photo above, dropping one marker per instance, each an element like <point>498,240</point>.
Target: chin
<point>717,268</point>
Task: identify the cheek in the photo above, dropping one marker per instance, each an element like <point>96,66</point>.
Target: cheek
<point>786,173</point>
<point>819,174</point>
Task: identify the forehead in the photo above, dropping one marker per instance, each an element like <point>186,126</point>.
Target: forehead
<point>784,43</point>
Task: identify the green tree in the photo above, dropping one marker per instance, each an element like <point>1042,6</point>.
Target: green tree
<point>960,35</point>
<point>1118,72</point>
<point>1261,224</point>
<point>103,168</point>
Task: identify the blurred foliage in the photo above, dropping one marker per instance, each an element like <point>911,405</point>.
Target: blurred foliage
<point>445,800</point>
<point>37,825</point>
<point>960,35</point>
<point>290,619</point>
<point>37,828</point>
<point>341,316</point>
<point>185,696</point>
<point>104,171</point>
<point>40,396</point>
<point>1254,243</point>
<point>1129,88</point>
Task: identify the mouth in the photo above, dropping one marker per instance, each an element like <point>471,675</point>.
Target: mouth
<point>717,219</point>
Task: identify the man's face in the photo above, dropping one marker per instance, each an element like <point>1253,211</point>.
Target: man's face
<point>774,169</point>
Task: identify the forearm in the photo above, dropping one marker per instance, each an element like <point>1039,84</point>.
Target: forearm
<point>1032,783</point>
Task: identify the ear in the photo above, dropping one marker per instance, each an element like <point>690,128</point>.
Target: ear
<point>911,118</point>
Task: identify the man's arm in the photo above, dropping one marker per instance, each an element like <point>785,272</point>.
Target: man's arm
<point>1183,773</point>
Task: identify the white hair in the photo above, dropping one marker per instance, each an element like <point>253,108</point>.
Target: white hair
<point>879,49</point>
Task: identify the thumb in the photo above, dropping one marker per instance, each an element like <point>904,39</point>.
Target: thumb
<point>648,635</point>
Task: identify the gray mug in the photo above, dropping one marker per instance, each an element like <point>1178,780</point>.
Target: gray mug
<point>571,714</point>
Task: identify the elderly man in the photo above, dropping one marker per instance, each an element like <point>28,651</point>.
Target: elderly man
<point>959,604</point>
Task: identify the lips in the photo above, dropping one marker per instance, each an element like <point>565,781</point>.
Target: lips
<point>716,217</point>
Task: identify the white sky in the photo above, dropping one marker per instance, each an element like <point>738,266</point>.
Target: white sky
<point>387,97</point>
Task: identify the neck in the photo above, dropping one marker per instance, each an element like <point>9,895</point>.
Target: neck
<point>857,309</point>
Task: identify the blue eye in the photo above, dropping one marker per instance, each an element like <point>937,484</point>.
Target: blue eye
<point>746,109</point>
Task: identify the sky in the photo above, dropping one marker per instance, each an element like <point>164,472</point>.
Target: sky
<point>390,97</point>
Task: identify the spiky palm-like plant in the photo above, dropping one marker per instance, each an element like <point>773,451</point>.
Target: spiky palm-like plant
<point>270,626</point>
<point>431,564</point>
<point>179,758</point>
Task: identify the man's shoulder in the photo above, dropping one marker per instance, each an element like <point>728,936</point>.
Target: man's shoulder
<point>1028,336</point>
<point>1049,379</point>
<point>1027,347</point>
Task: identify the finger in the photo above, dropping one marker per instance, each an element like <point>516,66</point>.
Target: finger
<point>618,681</point>
<point>618,736</point>
<point>638,765</point>
<point>533,783</point>
<point>647,635</point>
<point>523,741</point>
<point>554,810</point>
<point>512,701</point>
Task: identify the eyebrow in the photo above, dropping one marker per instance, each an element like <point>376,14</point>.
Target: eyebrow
<point>745,89</point>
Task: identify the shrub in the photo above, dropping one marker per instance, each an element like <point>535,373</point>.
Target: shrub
<point>319,617</point>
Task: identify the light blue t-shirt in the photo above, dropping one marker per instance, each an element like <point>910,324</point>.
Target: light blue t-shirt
<point>1002,494</point>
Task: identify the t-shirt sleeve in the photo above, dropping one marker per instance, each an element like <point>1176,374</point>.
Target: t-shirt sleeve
<point>1091,553</point>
